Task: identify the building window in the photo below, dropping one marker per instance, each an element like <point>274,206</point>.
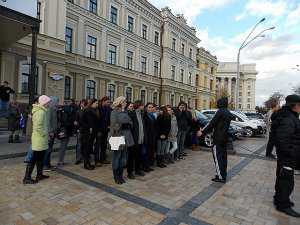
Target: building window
<point>130,23</point>
<point>240,106</point>
<point>173,72</point>
<point>144,31</point>
<point>197,80</point>
<point>191,53</point>
<point>212,70</point>
<point>181,75</point>
<point>128,94</point>
<point>189,102</point>
<point>112,54</point>
<point>249,87</point>
<point>129,59</point>
<point>93,6</point>
<point>72,1</point>
<point>190,78</point>
<point>182,48</point>
<point>249,93</point>
<point>90,89</point>
<point>25,68</point>
<point>67,87</point>
<point>156,68</point>
<point>173,44</point>
<point>240,93</point>
<point>198,63</point>
<point>211,85</point>
<point>143,96</point>
<point>114,15</point>
<point>181,98</point>
<point>156,38</point>
<point>172,100</point>
<point>111,91</point>
<point>249,99</point>
<point>155,98</point>
<point>248,106</point>
<point>143,64</point>
<point>68,39</point>
<point>91,48</point>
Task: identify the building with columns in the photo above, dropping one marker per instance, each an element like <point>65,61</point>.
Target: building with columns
<point>205,79</point>
<point>93,48</point>
<point>226,82</point>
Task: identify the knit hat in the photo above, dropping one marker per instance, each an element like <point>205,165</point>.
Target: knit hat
<point>44,99</point>
<point>292,99</point>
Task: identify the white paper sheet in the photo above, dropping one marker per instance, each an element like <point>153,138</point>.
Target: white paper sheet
<point>115,142</point>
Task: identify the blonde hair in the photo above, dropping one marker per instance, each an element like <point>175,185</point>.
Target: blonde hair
<point>118,101</point>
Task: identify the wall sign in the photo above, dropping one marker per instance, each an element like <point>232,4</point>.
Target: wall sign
<point>56,76</point>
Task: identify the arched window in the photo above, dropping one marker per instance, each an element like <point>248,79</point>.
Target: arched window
<point>172,100</point>
<point>111,92</point>
<point>128,94</point>
<point>67,87</point>
<point>90,89</point>
<point>24,79</point>
<point>143,96</point>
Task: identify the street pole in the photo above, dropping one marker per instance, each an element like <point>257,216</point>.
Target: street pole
<point>237,81</point>
<point>31,80</point>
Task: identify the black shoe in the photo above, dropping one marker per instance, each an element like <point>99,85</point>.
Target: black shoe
<point>289,212</point>
<point>216,179</point>
<point>131,176</point>
<point>105,162</point>
<point>140,173</point>
<point>78,162</point>
<point>41,177</point>
<point>184,154</point>
<point>29,181</point>
<point>11,139</point>
<point>89,167</point>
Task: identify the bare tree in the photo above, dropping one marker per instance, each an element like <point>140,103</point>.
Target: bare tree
<point>274,100</point>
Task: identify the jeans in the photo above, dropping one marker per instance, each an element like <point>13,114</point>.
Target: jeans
<point>3,108</point>
<point>78,149</point>
<point>174,147</point>
<point>97,146</point>
<point>62,150</point>
<point>29,155</point>
<point>103,148</point>
<point>162,147</point>
<point>270,146</point>
<point>47,157</point>
<point>119,159</point>
<point>181,139</point>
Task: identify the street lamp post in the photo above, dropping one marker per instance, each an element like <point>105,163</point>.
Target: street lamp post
<point>243,45</point>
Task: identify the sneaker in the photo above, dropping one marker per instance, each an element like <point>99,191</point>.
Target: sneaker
<point>216,179</point>
<point>140,173</point>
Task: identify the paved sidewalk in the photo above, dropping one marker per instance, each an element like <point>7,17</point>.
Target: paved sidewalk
<point>180,194</point>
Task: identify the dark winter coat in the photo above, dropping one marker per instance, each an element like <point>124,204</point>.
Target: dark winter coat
<point>220,123</point>
<point>66,116</point>
<point>150,129</point>
<point>286,130</point>
<point>14,116</point>
<point>163,125</point>
<point>135,126</point>
<point>183,120</point>
<point>89,120</point>
<point>5,93</point>
<point>104,118</point>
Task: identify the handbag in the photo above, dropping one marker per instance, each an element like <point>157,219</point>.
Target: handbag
<point>116,142</point>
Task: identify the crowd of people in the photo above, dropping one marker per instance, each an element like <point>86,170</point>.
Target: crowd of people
<point>154,136</point>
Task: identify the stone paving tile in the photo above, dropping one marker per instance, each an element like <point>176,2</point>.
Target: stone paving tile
<point>63,201</point>
<point>247,199</point>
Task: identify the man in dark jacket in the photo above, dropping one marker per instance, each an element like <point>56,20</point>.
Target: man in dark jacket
<point>286,128</point>
<point>5,92</point>
<point>220,124</point>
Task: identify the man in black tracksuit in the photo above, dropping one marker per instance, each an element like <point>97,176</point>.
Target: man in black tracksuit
<point>286,128</point>
<point>219,125</point>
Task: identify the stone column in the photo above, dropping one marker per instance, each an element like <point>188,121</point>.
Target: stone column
<point>122,52</point>
<point>229,88</point>
<point>103,45</point>
<point>81,42</point>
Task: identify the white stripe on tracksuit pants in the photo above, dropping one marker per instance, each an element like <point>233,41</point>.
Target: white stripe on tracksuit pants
<point>220,159</point>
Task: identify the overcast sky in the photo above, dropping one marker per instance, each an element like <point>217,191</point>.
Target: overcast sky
<point>223,24</point>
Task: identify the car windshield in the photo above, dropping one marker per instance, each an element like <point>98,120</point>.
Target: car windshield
<point>254,116</point>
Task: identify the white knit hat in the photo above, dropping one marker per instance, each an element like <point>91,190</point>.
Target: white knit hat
<point>44,99</point>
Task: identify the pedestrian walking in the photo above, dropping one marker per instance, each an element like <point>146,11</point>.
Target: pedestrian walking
<point>286,131</point>
<point>271,140</point>
<point>5,92</point>
<point>220,124</point>
<point>163,129</point>
<point>39,140</point>
<point>14,116</point>
<point>105,111</point>
<point>172,138</point>
<point>120,126</point>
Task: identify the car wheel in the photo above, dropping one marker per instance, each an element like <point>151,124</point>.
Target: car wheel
<point>249,132</point>
<point>208,140</point>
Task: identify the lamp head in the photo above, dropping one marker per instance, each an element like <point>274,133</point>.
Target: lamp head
<point>262,20</point>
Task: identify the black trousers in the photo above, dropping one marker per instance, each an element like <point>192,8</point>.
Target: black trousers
<point>85,147</point>
<point>134,159</point>
<point>37,160</point>
<point>103,146</point>
<point>220,159</point>
<point>270,145</point>
<point>96,138</point>
<point>284,186</point>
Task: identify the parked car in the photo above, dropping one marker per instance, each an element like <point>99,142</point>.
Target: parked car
<point>251,128</point>
<point>262,127</point>
<point>234,131</point>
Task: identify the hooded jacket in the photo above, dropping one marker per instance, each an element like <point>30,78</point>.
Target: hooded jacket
<point>220,123</point>
<point>286,132</point>
<point>40,128</point>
